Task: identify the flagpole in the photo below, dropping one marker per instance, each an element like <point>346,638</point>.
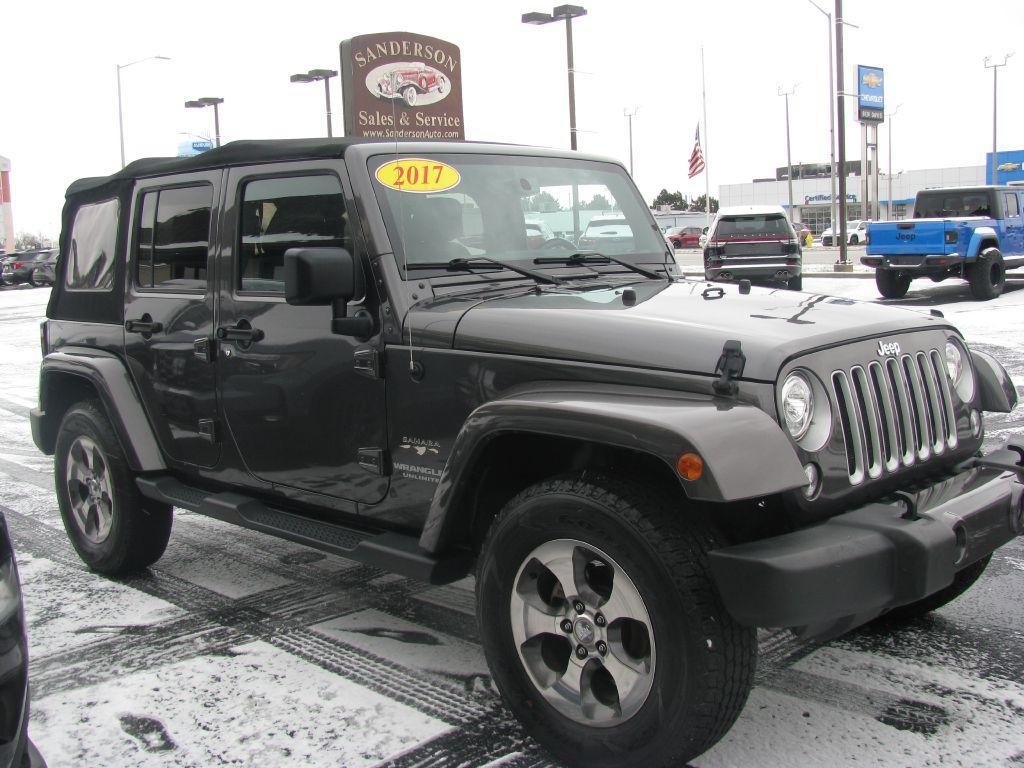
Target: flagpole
<point>707,173</point>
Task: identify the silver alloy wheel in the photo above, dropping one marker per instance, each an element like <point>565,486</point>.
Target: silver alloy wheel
<point>90,490</point>
<point>583,633</point>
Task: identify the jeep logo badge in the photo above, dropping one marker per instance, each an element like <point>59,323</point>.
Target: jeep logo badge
<point>890,348</point>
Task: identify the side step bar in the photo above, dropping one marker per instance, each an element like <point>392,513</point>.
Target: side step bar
<point>394,552</point>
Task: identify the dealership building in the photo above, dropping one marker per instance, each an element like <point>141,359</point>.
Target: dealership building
<point>812,188</point>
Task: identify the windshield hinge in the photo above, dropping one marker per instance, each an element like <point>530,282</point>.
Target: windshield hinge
<point>730,367</point>
<point>366,362</point>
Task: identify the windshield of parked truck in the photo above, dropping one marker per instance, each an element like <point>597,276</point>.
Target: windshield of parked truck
<point>443,207</point>
<point>941,203</point>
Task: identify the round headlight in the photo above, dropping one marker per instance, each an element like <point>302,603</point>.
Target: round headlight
<point>959,370</point>
<point>797,405</point>
<point>954,361</point>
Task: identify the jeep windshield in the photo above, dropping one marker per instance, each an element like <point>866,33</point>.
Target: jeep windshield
<point>945,203</point>
<point>490,206</point>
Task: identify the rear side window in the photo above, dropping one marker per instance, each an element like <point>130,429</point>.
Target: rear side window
<point>282,213</point>
<point>752,227</point>
<point>943,204</point>
<point>174,238</point>
<point>90,265</point>
<point>1011,205</point>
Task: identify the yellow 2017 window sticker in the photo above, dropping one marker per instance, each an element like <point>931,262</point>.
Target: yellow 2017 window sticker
<point>418,174</point>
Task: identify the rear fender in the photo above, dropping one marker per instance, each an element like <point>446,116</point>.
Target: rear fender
<point>981,238</point>
<point>108,376</point>
<point>745,453</point>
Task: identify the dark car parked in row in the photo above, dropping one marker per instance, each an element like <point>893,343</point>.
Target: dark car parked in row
<point>755,242</point>
<point>33,267</point>
<point>640,469</point>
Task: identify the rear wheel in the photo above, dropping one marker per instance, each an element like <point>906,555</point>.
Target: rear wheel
<point>603,629</point>
<point>892,285</point>
<point>114,529</point>
<point>795,283</point>
<point>963,581</point>
<point>987,275</point>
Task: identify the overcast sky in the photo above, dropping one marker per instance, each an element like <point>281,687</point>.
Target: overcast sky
<point>58,85</point>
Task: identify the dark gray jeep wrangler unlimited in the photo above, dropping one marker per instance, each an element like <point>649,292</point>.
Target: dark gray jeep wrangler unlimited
<point>359,347</point>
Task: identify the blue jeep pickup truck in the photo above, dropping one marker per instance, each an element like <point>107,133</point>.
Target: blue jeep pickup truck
<point>974,233</point>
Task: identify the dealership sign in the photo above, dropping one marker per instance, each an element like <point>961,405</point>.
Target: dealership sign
<point>870,94</point>
<point>826,198</point>
<point>399,85</point>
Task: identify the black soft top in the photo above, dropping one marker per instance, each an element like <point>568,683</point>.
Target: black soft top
<point>233,153</point>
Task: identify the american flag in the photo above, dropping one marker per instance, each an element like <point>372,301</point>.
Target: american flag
<point>696,157</point>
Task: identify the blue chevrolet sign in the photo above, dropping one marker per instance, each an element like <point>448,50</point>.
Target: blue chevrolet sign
<point>870,94</point>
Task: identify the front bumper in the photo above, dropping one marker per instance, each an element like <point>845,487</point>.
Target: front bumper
<point>856,565</point>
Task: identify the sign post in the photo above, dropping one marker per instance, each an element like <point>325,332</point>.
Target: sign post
<point>400,85</point>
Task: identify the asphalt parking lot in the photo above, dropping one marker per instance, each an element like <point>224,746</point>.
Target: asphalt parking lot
<point>241,649</point>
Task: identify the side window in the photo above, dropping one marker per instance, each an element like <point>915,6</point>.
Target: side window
<point>1011,205</point>
<point>174,238</point>
<point>90,260</point>
<point>282,213</point>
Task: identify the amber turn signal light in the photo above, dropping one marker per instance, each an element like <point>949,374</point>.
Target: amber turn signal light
<point>690,466</point>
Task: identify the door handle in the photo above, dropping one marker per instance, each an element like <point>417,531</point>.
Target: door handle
<point>241,332</point>
<point>143,325</point>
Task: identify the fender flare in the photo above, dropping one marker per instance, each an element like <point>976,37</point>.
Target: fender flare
<point>979,236</point>
<point>996,390</point>
<point>661,423</point>
<point>110,378</point>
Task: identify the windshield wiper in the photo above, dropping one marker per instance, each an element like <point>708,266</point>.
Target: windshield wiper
<point>475,262</point>
<point>593,257</point>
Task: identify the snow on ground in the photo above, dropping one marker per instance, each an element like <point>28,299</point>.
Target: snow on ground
<point>240,649</point>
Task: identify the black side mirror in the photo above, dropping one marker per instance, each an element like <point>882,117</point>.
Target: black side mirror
<point>327,276</point>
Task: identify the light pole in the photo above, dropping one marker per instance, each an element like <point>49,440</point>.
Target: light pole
<point>841,137</point>
<point>995,98</point>
<point>209,101</point>
<point>313,76</point>
<point>831,117</point>
<point>568,13</point>
<point>892,114</point>
<point>789,161</point>
<point>629,115</point>
<point>120,112</point>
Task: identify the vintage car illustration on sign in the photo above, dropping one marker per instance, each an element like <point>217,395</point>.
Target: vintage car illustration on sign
<point>412,82</point>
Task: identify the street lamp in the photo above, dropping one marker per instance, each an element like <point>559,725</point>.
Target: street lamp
<point>629,115</point>
<point>995,96</point>
<point>209,101</point>
<point>891,116</point>
<point>313,76</point>
<point>831,117</point>
<point>568,13</point>
<point>789,161</point>
<point>120,114</point>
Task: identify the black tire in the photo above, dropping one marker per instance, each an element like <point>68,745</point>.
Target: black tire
<point>795,283</point>
<point>854,240</point>
<point>34,281</point>
<point>987,275</point>
<point>892,285</point>
<point>963,581</point>
<point>139,528</point>
<point>702,677</point>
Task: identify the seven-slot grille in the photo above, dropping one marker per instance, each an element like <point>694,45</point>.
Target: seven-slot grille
<point>895,412</point>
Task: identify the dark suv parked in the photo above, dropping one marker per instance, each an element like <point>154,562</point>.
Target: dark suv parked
<point>755,242</point>
<point>353,346</point>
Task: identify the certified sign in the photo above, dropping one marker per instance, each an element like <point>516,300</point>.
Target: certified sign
<point>870,94</point>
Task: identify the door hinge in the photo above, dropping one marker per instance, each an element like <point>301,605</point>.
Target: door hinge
<point>202,349</point>
<point>209,429</point>
<point>374,460</point>
<point>366,362</point>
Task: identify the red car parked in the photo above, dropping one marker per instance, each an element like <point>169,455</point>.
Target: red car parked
<point>684,237</point>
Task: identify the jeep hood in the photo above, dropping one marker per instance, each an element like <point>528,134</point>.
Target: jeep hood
<point>677,327</point>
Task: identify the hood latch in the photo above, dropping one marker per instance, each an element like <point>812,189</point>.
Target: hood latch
<point>730,367</point>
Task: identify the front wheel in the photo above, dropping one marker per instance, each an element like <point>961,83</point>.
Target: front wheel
<point>409,95</point>
<point>854,240</point>
<point>602,628</point>
<point>987,275</point>
<point>114,529</point>
<point>892,285</point>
